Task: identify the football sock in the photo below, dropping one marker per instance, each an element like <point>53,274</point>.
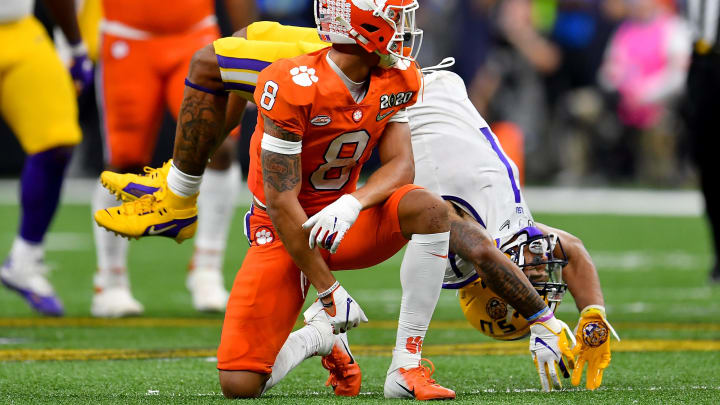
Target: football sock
<point>216,205</point>
<point>40,185</point>
<point>23,250</point>
<point>421,275</point>
<point>111,250</point>
<point>181,184</point>
<point>300,345</point>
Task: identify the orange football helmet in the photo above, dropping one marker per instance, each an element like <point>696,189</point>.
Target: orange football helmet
<point>385,27</point>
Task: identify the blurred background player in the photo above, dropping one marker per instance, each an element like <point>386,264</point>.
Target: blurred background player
<point>146,48</point>
<point>645,65</point>
<point>38,102</point>
<point>482,188</point>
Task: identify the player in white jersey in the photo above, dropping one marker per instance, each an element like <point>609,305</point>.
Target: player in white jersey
<point>458,157</point>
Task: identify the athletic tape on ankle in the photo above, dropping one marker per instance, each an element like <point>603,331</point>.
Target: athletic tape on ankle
<point>277,145</point>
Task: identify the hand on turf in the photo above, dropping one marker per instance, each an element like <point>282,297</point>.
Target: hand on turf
<point>343,311</point>
<point>593,337</point>
<point>81,69</point>
<point>332,222</point>
<point>550,347</point>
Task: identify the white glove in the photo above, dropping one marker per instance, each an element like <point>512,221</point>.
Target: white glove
<point>343,312</point>
<point>549,343</point>
<point>330,224</point>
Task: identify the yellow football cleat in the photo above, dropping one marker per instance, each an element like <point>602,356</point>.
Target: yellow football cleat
<point>160,214</point>
<point>129,187</point>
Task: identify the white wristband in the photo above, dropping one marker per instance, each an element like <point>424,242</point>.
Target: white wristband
<point>330,290</point>
<point>277,145</point>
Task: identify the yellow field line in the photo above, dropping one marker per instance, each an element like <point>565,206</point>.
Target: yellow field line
<point>468,349</point>
<point>200,322</point>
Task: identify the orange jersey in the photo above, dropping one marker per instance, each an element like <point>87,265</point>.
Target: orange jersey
<point>305,96</point>
<point>159,16</point>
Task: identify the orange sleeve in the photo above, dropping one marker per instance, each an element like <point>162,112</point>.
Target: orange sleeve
<point>414,78</point>
<point>281,100</point>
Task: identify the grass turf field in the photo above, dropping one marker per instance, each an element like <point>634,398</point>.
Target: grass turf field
<point>653,270</point>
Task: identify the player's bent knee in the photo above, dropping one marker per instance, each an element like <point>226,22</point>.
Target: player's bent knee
<point>204,69</point>
<point>422,212</point>
<point>242,384</point>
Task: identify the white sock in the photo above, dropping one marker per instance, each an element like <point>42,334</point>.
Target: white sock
<point>181,184</point>
<point>23,250</point>
<point>421,275</point>
<point>300,345</point>
<point>111,250</point>
<point>216,205</point>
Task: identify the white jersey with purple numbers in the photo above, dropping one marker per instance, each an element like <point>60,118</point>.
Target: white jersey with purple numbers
<point>460,159</point>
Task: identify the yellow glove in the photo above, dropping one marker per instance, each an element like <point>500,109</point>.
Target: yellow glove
<point>593,345</point>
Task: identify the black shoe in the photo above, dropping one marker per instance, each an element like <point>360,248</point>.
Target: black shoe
<point>715,274</point>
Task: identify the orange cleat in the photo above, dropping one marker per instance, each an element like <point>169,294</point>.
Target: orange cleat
<point>416,383</point>
<point>345,376</point>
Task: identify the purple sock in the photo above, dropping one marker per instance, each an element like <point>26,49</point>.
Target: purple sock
<point>40,186</point>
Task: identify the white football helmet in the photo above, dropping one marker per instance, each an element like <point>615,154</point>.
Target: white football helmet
<point>385,27</point>
<point>528,248</point>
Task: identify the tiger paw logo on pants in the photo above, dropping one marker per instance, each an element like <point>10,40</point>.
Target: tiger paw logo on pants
<point>595,334</point>
<point>263,235</point>
<point>414,344</point>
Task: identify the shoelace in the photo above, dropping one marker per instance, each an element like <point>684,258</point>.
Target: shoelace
<point>427,371</point>
<point>338,364</point>
<point>143,205</point>
<point>153,172</point>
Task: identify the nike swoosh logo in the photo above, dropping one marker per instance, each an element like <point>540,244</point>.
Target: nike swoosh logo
<point>381,117</point>
<point>153,231</point>
<point>542,342</point>
<point>406,390</point>
<point>440,256</point>
<point>352,360</point>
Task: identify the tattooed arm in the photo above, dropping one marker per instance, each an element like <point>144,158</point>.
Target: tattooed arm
<point>580,273</point>
<point>282,177</point>
<point>469,240</point>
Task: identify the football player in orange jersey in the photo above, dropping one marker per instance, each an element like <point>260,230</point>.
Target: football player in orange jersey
<point>320,116</point>
<point>145,51</point>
